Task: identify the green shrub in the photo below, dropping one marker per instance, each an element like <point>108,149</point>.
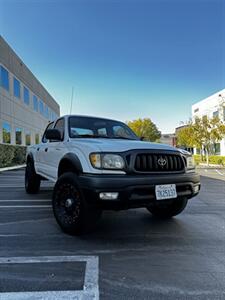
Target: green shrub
<point>213,159</point>
<point>19,155</point>
<point>197,159</point>
<point>11,155</point>
<point>217,160</point>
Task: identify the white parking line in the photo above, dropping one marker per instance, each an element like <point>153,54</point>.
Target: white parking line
<point>90,289</point>
<point>24,206</point>
<point>26,200</point>
<point>11,186</point>
<point>25,221</point>
<point>220,173</point>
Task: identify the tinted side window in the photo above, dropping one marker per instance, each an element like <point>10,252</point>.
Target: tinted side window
<point>50,126</point>
<point>60,125</point>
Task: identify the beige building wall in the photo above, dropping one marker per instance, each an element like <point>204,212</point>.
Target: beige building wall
<point>13,110</point>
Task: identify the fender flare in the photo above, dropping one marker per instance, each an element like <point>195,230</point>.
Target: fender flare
<point>31,156</point>
<point>74,162</point>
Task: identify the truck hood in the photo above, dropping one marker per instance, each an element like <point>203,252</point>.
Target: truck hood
<point>116,145</point>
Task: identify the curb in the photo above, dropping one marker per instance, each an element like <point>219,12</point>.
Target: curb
<point>12,168</point>
<point>210,167</point>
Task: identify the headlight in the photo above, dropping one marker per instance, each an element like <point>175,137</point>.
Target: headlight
<point>107,161</point>
<point>190,162</point>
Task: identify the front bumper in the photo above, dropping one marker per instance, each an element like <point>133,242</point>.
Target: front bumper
<point>134,190</point>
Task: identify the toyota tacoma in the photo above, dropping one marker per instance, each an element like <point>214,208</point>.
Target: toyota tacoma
<point>98,164</point>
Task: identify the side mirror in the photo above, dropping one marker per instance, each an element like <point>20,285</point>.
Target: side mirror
<point>142,138</point>
<point>53,134</point>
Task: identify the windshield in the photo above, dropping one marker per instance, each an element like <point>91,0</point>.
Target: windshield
<point>88,127</point>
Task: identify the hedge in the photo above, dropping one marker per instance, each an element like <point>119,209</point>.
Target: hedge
<point>11,155</point>
<point>213,159</point>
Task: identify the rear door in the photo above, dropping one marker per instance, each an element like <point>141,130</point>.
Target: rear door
<point>40,151</point>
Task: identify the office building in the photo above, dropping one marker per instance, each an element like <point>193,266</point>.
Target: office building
<point>212,106</point>
<point>25,105</point>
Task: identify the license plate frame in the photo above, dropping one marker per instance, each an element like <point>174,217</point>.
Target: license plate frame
<point>165,191</point>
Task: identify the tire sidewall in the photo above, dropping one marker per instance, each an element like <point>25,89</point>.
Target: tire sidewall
<point>32,180</point>
<point>80,225</point>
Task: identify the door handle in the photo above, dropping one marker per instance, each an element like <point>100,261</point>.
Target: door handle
<point>46,149</point>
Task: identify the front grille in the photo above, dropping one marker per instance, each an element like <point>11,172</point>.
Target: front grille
<point>154,162</point>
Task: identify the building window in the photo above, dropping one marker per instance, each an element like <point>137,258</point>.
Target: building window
<point>27,138</point>
<point>26,95</point>
<point>217,148</point>
<point>215,114</point>
<point>196,110</point>
<point>37,140</point>
<point>41,107</point>
<point>46,112</point>
<point>54,116</point>
<point>6,133</point>
<point>16,87</point>
<point>35,103</point>
<point>18,136</point>
<point>4,78</point>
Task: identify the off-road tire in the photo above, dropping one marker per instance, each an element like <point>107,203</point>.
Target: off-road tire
<point>70,207</point>
<point>32,180</point>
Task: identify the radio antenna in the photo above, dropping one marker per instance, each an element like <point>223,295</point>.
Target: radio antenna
<point>71,104</point>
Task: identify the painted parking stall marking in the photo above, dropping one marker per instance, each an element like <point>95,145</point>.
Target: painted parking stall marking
<point>90,288</point>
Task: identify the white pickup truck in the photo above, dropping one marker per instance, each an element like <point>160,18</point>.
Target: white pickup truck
<point>99,164</point>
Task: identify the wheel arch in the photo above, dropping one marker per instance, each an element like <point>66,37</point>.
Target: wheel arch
<point>30,157</point>
<point>70,163</point>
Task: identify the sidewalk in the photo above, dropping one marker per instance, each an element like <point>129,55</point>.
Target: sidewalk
<point>210,166</point>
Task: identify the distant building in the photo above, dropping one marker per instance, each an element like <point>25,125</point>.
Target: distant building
<point>25,105</point>
<point>168,138</point>
<point>212,106</point>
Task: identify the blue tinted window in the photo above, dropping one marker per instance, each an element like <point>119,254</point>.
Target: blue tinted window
<point>6,133</point>
<point>4,78</point>
<point>35,103</point>
<point>54,116</point>
<point>46,112</point>
<point>215,114</point>
<point>26,95</point>
<point>27,138</point>
<point>16,87</point>
<point>18,136</point>
<point>41,107</point>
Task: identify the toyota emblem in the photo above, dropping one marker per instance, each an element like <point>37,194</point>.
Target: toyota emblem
<point>162,161</point>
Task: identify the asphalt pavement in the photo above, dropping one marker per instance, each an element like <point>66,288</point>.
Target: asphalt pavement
<point>130,255</point>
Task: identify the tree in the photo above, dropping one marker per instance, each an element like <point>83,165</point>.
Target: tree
<point>202,133</point>
<point>145,128</point>
<point>210,132</point>
<point>185,137</point>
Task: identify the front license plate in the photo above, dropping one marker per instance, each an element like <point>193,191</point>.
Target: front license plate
<point>167,191</point>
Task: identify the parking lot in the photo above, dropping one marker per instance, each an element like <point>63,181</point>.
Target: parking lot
<point>130,255</point>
